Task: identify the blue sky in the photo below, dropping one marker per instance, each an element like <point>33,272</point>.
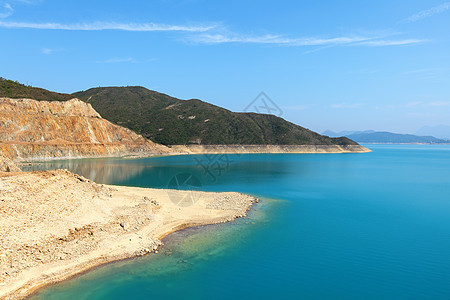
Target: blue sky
<point>340,65</point>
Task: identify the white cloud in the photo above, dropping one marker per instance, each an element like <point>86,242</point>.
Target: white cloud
<point>384,43</point>
<point>217,34</point>
<point>97,26</point>
<point>6,10</point>
<point>270,39</point>
<point>275,39</point>
<point>429,12</point>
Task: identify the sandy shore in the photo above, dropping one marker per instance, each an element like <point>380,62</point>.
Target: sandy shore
<point>56,224</point>
<point>267,149</point>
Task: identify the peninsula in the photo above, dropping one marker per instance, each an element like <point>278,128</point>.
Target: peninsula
<point>56,224</point>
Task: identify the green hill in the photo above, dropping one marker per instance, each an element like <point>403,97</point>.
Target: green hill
<point>172,121</point>
<point>14,89</point>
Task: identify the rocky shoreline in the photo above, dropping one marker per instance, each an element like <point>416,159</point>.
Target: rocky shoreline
<point>37,152</point>
<point>38,130</point>
<point>268,149</point>
<point>56,224</point>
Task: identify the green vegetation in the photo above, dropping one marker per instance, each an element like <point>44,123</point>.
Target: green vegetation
<point>172,121</point>
<point>14,89</point>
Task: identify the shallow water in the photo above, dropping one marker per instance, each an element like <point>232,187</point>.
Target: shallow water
<point>372,226</point>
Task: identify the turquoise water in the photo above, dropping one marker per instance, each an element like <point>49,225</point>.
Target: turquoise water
<point>329,226</point>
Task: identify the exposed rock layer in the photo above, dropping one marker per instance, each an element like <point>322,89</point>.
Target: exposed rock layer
<point>31,129</point>
<point>38,130</point>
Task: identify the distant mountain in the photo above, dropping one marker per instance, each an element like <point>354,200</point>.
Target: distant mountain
<point>439,131</point>
<point>331,133</point>
<point>385,137</point>
<point>393,138</point>
<point>171,121</point>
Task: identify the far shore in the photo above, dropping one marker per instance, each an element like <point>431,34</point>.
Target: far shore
<point>177,150</point>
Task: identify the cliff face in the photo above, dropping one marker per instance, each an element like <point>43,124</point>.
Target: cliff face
<point>31,129</point>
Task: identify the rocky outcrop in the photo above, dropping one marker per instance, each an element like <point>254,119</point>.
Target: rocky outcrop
<point>31,130</point>
<point>6,165</point>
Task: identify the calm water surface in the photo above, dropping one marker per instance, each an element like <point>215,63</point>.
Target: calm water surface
<point>333,226</point>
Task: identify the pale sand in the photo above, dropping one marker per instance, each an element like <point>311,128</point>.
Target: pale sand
<point>267,149</point>
<point>55,224</point>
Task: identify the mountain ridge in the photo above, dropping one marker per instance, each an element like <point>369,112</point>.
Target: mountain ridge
<point>385,137</point>
<point>183,122</point>
<point>169,121</point>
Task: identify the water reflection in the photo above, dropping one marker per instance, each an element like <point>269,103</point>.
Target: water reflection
<point>106,171</point>
<point>160,172</point>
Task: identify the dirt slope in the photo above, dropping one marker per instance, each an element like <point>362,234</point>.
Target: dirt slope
<point>31,129</point>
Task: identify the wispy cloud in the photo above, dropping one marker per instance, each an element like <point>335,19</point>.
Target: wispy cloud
<point>275,40</point>
<point>384,43</point>
<point>6,10</point>
<point>429,12</point>
<point>117,60</point>
<point>98,26</point>
<point>279,40</point>
<point>215,33</point>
